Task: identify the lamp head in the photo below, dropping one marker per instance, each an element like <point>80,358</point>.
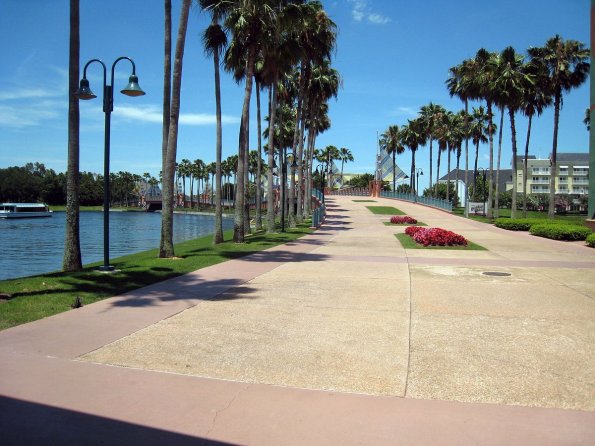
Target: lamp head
<point>133,89</point>
<point>84,92</point>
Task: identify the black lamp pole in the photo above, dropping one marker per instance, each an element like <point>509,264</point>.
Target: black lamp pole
<point>84,92</point>
<point>418,172</point>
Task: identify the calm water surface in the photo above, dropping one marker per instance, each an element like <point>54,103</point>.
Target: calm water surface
<point>32,246</point>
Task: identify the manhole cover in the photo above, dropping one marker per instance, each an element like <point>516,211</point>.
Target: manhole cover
<point>495,273</point>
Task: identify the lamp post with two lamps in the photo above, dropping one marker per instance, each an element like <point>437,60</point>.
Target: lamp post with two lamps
<point>84,92</point>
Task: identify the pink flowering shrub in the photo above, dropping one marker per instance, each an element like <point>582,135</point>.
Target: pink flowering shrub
<point>435,236</point>
<point>403,220</point>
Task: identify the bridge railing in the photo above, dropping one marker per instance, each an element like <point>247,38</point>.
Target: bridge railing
<point>353,191</point>
<point>428,201</point>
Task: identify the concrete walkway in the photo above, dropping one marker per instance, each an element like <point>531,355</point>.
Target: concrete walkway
<point>342,337</point>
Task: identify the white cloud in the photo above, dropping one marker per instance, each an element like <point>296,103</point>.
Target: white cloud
<point>360,11</point>
<point>378,19</point>
<point>18,117</point>
<point>153,114</point>
<point>28,93</point>
<point>403,111</point>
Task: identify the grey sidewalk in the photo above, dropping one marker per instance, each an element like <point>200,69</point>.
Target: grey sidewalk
<point>342,337</point>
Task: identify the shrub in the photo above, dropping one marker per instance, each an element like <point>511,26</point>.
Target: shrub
<point>435,236</point>
<point>591,240</point>
<point>560,231</point>
<point>403,220</point>
<point>517,224</point>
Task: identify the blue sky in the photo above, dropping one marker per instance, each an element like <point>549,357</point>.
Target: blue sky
<point>393,57</point>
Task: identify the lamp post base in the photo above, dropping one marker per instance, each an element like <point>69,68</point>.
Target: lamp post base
<point>106,269</point>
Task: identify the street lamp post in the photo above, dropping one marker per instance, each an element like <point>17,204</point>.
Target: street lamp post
<point>84,92</point>
<point>418,172</point>
<point>321,176</point>
<point>483,187</point>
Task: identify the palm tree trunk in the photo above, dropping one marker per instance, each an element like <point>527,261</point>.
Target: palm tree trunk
<point>448,175</point>
<point>514,163</point>
<point>438,171</point>
<point>258,217</point>
<point>557,100</point>
<point>394,171</point>
<point>238,225</point>
<point>525,169</point>
<point>218,235</point>
<point>72,246</point>
<point>491,172</point>
<point>475,171</point>
<point>430,186</point>
<point>166,248</point>
<point>166,81</point>
<point>497,186</point>
<point>271,157</point>
<point>466,188</point>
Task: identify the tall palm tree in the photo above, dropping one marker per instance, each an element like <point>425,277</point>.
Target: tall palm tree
<point>460,84</point>
<point>72,246</point>
<point>430,115</point>
<point>484,74</point>
<point>567,63</point>
<point>478,134</point>
<point>166,248</point>
<point>214,41</point>
<point>249,22</point>
<point>511,82</point>
<point>345,156</point>
<point>316,36</point>
<point>184,171</point>
<point>391,142</point>
<point>412,136</point>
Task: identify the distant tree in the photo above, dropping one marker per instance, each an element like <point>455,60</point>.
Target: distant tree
<point>360,180</point>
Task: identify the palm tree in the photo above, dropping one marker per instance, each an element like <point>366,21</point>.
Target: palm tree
<point>72,246</point>
<point>412,136</point>
<point>214,41</point>
<point>248,21</point>
<point>166,248</point>
<point>184,171</point>
<point>345,156</point>
<point>316,36</point>
<point>166,80</point>
<point>482,78</point>
<point>460,84</point>
<point>567,63</point>
<point>478,133</point>
<point>511,82</point>
<point>430,114</point>
<point>391,142</point>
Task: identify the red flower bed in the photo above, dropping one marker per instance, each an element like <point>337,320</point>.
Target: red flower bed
<point>435,236</point>
<point>403,220</point>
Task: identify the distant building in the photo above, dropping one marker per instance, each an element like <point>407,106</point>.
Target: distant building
<point>385,168</point>
<point>572,175</point>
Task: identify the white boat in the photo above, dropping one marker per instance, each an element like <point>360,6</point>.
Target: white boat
<point>24,210</point>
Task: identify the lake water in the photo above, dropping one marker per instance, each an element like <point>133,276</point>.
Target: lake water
<point>32,246</point>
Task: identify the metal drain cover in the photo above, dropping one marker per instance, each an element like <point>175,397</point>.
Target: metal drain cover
<point>496,273</point>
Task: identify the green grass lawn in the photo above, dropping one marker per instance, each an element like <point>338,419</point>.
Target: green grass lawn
<point>36,297</point>
<point>505,213</point>
<point>408,243</point>
<point>385,210</point>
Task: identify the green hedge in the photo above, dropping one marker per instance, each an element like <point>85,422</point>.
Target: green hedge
<point>560,231</point>
<point>517,224</point>
<point>591,240</point>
